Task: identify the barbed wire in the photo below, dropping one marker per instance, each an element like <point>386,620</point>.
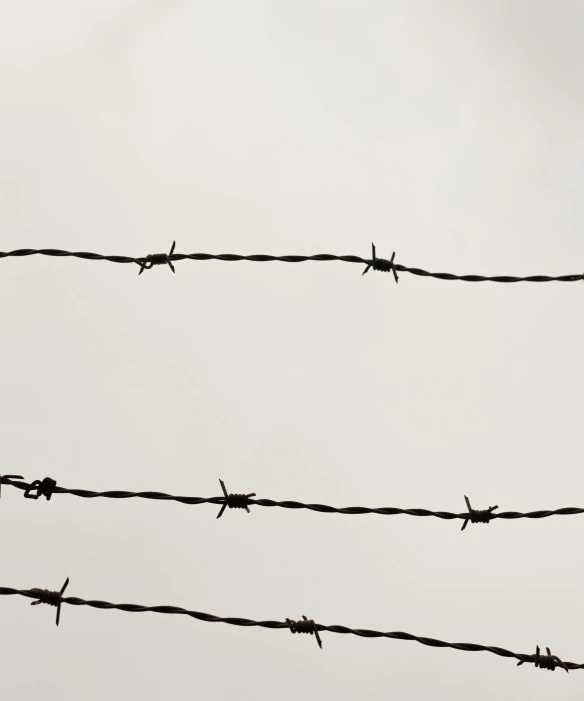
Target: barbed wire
<point>375,263</point>
<point>47,487</point>
<point>305,625</point>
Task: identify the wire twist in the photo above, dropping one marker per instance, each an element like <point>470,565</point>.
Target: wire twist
<point>52,598</point>
<point>8,478</point>
<point>305,626</point>
<point>548,661</point>
<point>153,259</point>
<point>234,501</point>
<point>381,264</point>
<point>478,516</point>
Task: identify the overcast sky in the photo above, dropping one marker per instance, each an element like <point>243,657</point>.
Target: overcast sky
<point>450,132</point>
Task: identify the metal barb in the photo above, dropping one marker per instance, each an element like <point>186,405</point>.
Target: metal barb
<point>476,515</point>
<point>9,477</point>
<point>549,661</point>
<point>52,598</point>
<point>153,259</point>
<point>381,264</point>
<point>305,626</point>
<point>43,488</point>
<point>234,501</point>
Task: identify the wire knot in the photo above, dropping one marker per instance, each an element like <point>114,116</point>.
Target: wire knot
<point>237,501</point>
<point>44,488</point>
<point>305,626</point>
<point>234,501</point>
<point>478,515</point>
<point>548,661</point>
<point>381,264</point>
<point>52,598</point>
<point>46,596</point>
<point>153,259</point>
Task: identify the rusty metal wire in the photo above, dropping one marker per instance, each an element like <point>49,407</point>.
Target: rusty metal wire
<point>305,626</point>
<point>48,487</point>
<point>375,263</point>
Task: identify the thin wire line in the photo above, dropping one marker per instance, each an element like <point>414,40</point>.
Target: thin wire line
<point>274,625</point>
<point>321,508</point>
<point>262,258</point>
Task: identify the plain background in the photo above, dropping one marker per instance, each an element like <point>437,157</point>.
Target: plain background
<point>450,132</point>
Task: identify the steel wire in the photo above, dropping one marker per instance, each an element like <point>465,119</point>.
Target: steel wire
<point>382,264</point>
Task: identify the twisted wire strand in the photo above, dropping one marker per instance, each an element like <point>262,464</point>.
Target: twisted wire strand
<point>144,261</point>
<point>285,625</point>
<point>321,508</point>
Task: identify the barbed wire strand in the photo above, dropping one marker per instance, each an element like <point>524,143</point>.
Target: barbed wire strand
<point>55,598</point>
<point>47,487</point>
<point>375,263</point>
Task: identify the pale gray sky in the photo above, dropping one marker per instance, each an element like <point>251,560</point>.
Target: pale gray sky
<point>449,132</point>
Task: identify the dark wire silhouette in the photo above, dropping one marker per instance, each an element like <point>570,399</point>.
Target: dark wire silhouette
<point>56,598</point>
<point>47,487</point>
<point>375,263</point>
